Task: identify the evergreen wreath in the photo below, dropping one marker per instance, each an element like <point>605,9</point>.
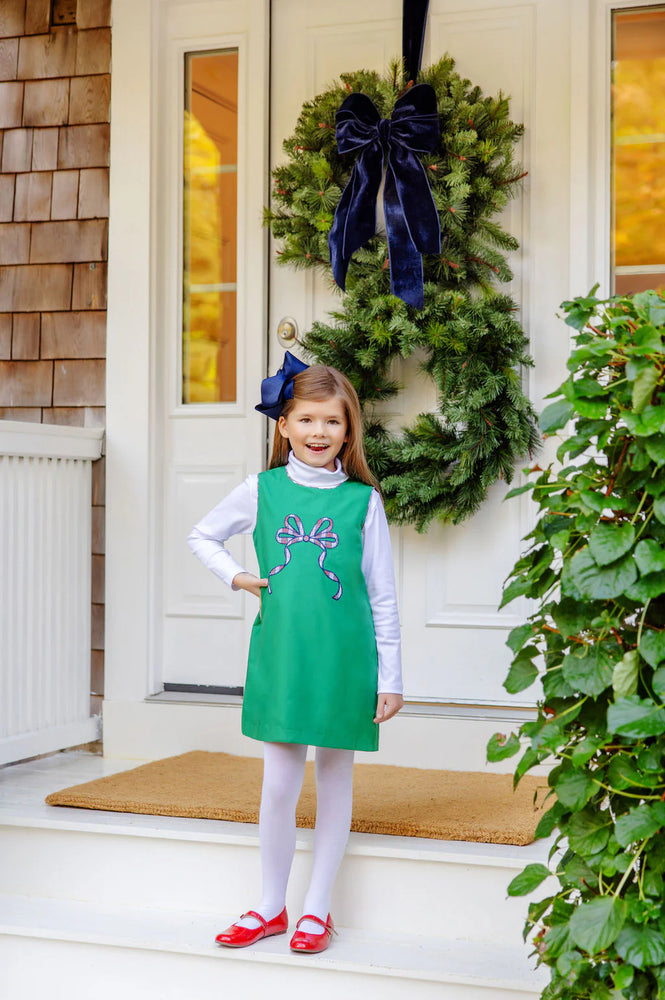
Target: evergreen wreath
<point>473,346</point>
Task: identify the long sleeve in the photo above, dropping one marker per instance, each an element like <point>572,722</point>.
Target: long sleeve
<point>234,515</point>
<point>379,573</point>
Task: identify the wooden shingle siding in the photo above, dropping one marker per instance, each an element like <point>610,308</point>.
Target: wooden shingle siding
<point>8,58</point>
<point>54,183</point>
<point>16,150</point>
<point>11,104</point>
<point>45,149</point>
<point>26,383</point>
<point>32,200</point>
<point>46,102</point>
<point>5,336</point>
<point>37,16</point>
<point>89,291</point>
<point>64,199</point>
<point>25,336</point>
<point>12,18</point>
<point>83,146</point>
<point>73,335</point>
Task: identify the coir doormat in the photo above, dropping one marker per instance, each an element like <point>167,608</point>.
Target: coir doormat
<point>402,801</point>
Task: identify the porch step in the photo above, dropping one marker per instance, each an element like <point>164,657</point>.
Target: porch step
<point>449,889</point>
<point>72,948</point>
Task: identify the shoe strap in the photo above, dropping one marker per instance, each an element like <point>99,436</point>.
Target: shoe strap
<point>257,916</point>
<point>317,920</point>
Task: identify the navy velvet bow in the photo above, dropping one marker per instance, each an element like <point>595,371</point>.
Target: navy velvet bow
<point>276,389</point>
<point>412,221</point>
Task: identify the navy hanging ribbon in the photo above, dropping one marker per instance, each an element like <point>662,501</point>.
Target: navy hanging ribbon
<point>414,16</point>
<point>412,221</point>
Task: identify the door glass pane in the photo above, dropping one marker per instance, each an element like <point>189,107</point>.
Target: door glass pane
<point>638,149</point>
<point>209,227</point>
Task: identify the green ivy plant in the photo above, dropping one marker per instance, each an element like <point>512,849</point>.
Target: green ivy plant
<point>595,641</point>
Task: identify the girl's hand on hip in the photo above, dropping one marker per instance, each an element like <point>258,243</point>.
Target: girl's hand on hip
<point>247,581</point>
<point>387,705</point>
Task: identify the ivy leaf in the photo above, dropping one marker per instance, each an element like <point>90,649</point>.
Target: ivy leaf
<point>569,617</point>
<point>650,556</point>
<point>574,789</point>
<point>597,582</point>
<point>659,509</point>
<point>555,684</point>
<point>658,682</point>
<point>521,675</point>
<point>623,976</point>
<point>635,716</point>
<point>625,674</point>
<point>655,448</point>
<point>642,946</point>
<point>499,747</point>
<point>516,588</point>
<point>556,415</point>
<point>576,872</point>
<point>588,832</point>
<point>652,647</point>
<point>643,387</point>
<point>639,823</point>
<point>650,421</point>
<point>557,939</point>
<point>528,880</point>
<point>623,773</point>
<point>519,490</point>
<point>590,671</point>
<point>586,748</point>
<point>548,822</point>
<point>646,338</point>
<point>596,924</point>
<point>608,542</point>
<point>518,636</point>
<point>569,964</point>
<point>651,585</point>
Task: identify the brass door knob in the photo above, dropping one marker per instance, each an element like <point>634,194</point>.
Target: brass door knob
<point>287,331</point>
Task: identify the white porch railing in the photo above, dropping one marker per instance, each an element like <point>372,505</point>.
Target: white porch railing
<point>45,570</point>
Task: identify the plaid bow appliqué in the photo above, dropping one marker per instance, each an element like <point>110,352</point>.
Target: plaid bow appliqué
<point>321,535</point>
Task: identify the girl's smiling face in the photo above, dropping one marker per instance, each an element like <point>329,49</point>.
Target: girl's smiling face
<point>316,430</point>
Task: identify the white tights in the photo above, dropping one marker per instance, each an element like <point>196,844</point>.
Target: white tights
<point>283,772</point>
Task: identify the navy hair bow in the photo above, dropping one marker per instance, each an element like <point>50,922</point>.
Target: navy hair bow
<point>412,221</point>
<point>276,389</point>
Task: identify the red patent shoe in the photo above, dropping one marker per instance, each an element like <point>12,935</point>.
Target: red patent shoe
<point>302,941</point>
<point>240,937</point>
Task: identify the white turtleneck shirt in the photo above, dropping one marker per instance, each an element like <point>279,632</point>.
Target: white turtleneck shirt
<point>236,515</point>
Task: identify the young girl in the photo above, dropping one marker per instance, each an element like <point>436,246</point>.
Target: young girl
<point>324,661</point>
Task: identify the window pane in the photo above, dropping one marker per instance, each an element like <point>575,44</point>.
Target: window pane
<point>209,227</point>
<point>638,149</point>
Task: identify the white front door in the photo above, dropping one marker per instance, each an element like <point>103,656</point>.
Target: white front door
<point>449,579</point>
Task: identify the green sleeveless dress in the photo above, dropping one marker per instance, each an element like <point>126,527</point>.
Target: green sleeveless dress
<point>312,668</point>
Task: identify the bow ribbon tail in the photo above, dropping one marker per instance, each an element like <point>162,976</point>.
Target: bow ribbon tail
<point>287,559</point>
<point>412,223</point>
<point>355,216</point>
<point>330,575</point>
<point>406,264</point>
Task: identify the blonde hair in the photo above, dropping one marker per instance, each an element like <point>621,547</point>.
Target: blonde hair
<point>321,382</point>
